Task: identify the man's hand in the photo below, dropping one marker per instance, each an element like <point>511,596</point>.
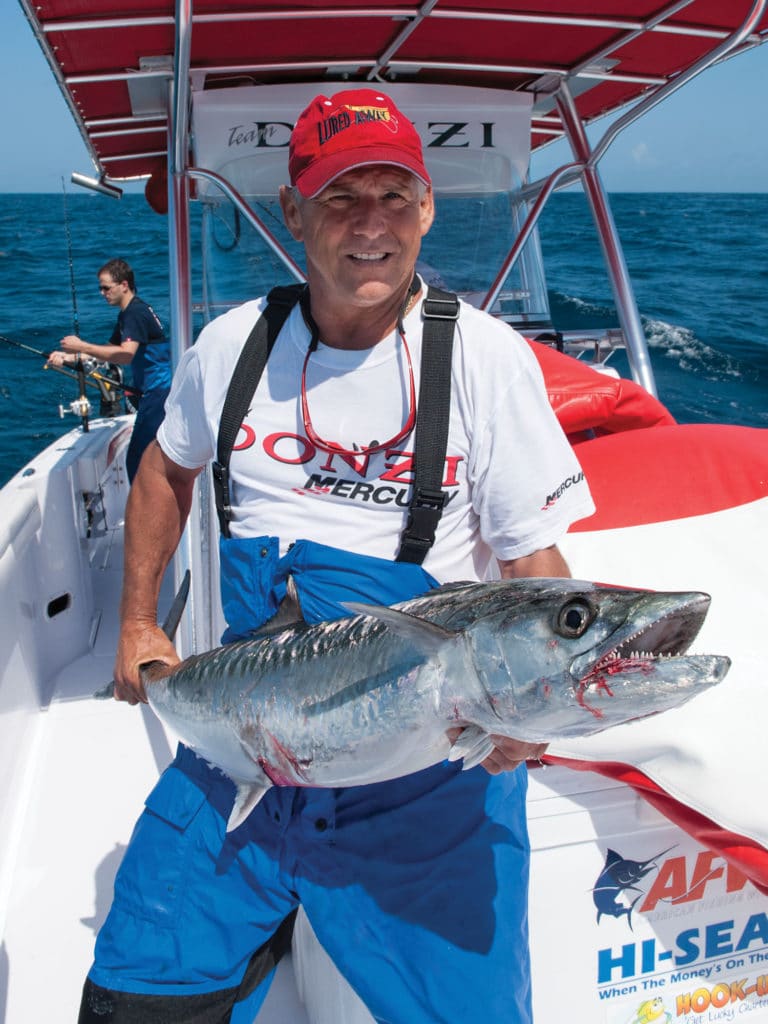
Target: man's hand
<point>140,643</point>
<point>60,359</point>
<point>71,347</point>
<point>71,343</point>
<point>507,754</point>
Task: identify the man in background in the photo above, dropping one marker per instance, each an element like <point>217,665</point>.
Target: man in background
<point>138,340</point>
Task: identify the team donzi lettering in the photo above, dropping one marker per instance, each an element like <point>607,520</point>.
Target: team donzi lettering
<point>260,134</point>
<point>436,135</point>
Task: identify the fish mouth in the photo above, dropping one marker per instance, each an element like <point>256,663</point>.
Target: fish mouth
<point>668,636</point>
<point>660,642</point>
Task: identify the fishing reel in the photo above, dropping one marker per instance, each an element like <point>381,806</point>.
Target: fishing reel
<point>109,379</point>
<point>80,407</point>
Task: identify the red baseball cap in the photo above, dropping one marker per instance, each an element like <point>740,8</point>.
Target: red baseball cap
<point>354,128</point>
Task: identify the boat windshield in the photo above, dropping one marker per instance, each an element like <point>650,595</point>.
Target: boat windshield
<point>471,236</point>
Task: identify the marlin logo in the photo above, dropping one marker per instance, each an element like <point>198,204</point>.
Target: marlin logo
<point>618,877</point>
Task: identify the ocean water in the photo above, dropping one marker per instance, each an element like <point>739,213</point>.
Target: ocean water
<point>699,263</point>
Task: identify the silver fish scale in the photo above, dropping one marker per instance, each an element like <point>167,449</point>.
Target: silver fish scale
<point>321,657</point>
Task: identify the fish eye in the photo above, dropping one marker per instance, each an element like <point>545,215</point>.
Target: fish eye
<point>574,618</point>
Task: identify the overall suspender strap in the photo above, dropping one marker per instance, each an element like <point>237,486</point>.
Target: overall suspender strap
<point>245,380</point>
<point>440,311</point>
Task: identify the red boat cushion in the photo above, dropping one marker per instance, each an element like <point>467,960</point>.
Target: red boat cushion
<point>672,472</point>
<point>585,400</point>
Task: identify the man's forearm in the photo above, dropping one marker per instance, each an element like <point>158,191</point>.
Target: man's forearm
<point>107,353</point>
<point>545,562</point>
<point>75,346</point>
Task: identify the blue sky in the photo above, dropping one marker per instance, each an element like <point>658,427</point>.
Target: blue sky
<point>709,137</point>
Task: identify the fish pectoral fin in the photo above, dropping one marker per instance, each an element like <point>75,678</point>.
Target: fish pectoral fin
<point>426,636</point>
<point>248,795</point>
<point>472,746</point>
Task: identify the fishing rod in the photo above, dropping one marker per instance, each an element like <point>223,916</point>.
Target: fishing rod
<point>75,316</point>
<point>82,407</point>
<point>98,378</point>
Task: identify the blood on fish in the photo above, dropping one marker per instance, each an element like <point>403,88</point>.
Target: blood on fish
<point>623,664</point>
<point>597,678</point>
<point>292,773</point>
<point>274,776</point>
<point>583,687</point>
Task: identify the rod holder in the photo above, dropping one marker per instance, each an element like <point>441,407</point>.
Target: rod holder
<point>96,185</point>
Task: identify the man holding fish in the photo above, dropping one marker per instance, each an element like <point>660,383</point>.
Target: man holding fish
<point>417,887</point>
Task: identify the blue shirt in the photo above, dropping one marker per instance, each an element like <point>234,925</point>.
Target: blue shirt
<point>151,366</point>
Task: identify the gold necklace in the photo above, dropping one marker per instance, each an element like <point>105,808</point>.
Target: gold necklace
<point>409,304</point>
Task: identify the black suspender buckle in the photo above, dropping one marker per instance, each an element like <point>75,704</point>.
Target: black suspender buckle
<point>440,308</point>
<point>424,515</point>
<point>221,491</point>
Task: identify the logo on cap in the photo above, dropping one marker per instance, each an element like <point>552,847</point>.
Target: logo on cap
<point>351,117</point>
<point>352,129</point>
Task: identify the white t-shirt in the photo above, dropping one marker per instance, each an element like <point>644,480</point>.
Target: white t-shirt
<point>513,481</point>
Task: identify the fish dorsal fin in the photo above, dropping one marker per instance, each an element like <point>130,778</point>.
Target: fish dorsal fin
<point>247,797</point>
<point>289,612</point>
<point>426,636</point>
